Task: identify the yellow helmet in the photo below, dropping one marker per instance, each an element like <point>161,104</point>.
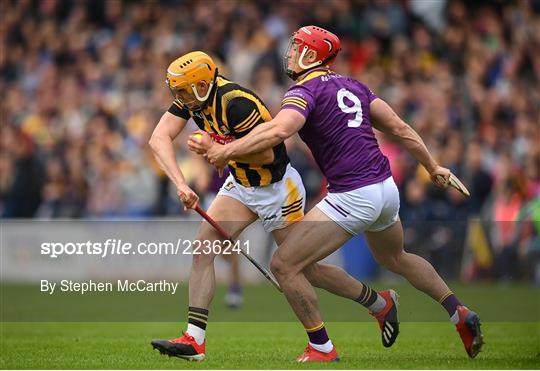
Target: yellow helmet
<point>184,73</point>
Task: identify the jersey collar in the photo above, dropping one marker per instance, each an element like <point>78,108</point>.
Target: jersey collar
<point>313,74</point>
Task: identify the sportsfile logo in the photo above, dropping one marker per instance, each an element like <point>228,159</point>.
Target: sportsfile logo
<point>118,247</point>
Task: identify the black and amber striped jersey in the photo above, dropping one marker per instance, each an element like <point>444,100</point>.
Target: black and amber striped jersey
<point>233,112</point>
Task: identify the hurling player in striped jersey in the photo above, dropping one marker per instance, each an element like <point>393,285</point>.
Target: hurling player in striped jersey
<point>261,186</point>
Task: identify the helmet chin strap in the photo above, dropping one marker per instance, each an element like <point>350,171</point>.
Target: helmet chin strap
<point>199,98</point>
<point>311,65</point>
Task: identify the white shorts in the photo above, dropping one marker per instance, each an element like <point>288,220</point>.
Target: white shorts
<point>372,208</point>
<point>277,204</point>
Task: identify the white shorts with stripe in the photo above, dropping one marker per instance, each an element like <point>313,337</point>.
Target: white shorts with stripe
<point>277,204</point>
<point>372,208</point>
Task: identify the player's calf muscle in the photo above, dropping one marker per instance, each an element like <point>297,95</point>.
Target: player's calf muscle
<point>312,274</point>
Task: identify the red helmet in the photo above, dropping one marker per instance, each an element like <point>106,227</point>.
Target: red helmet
<point>319,40</point>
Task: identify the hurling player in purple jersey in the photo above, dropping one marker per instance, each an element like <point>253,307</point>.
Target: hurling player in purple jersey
<point>335,116</point>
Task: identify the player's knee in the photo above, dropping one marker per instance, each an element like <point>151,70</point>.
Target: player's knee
<point>279,267</point>
<point>393,267</point>
<point>276,265</point>
<point>200,255</point>
<point>207,233</point>
<point>390,262</point>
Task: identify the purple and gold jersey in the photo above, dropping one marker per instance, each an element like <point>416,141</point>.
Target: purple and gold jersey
<point>338,129</point>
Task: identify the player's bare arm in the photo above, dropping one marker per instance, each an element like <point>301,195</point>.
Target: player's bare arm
<point>262,158</point>
<point>161,142</point>
<point>286,123</point>
<point>200,142</point>
<point>386,120</point>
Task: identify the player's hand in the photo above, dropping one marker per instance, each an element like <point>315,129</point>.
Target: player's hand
<point>440,176</point>
<point>199,142</point>
<point>217,155</point>
<point>220,171</point>
<point>187,196</point>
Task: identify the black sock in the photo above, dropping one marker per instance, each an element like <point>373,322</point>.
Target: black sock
<point>367,297</point>
<point>198,317</point>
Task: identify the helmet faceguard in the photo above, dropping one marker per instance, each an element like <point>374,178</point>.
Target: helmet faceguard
<point>185,73</point>
<point>325,44</point>
<point>188,96</point>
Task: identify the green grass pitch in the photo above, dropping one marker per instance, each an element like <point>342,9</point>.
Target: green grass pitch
<point>249,338</point>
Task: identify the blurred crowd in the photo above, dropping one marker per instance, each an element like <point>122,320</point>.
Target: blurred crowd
<point>83,86</point>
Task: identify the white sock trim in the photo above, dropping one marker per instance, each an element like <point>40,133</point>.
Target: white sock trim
<point>379,304</point>
<point>197,333</point>
<point>454,318</point>
<point>325,348</point>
